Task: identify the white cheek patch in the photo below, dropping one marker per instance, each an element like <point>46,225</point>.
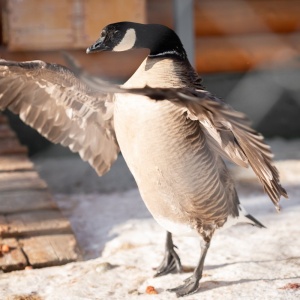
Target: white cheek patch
<point>127,42</point>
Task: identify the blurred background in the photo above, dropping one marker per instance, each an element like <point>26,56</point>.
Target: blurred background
<point>247,51</point>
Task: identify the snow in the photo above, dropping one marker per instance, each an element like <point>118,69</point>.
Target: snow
<point>121,245</point>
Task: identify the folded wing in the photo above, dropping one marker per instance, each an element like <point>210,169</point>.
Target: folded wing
<point>50,98</point>
<point>228,132</point>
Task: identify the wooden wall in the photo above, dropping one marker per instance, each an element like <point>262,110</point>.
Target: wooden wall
<point>40,29</point>
<point>231,35</point>
<point>69,24</point>
<point>235,35</point>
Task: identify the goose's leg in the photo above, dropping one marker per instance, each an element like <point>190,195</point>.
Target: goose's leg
<point>171,262</point>
<point>191,284</point>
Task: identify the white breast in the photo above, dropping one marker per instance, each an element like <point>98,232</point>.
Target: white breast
<point>177,174</point>
<point>153,140</point>
<point>146,145</point>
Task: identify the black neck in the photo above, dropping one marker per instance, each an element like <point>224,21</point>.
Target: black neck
<point>162,41</point>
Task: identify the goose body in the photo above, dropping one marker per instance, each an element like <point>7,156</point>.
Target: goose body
<point>167,153</point>
<point>172,133</point>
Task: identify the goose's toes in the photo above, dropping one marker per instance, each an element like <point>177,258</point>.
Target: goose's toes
<point>190,286</point>
<point>170,264</point>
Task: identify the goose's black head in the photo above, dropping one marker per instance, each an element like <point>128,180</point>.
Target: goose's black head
<point>160,40</point>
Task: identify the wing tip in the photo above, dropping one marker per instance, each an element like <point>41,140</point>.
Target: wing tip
<point>275,194</point>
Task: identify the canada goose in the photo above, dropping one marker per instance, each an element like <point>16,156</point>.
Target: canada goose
<point>171,132</point>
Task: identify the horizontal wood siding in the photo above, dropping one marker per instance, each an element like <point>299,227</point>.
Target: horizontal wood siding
<point>231,17</point>
<point>33,232</point>
<point>230,35</point>
<point>69,24</point>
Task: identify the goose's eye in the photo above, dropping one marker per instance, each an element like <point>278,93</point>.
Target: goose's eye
<point>116,31</point>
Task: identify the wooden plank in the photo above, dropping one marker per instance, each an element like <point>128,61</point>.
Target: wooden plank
<point>221,17</point>
<point>28,200</point>
<point>73,24</point>
<point>3,226</point>
<point>36,223</point>
<point>160,12</point>
<point>3,119</point>
<point>283,13</point>
<point>15,163</point>
<point>6,132</point>
<point>105,64</point>
<point>33,21</point>
<point>27,212</point>
<point>242,53</point>
<point>14,259</point>
<point>115,11</point>
<point>245,17</point>
<point>11,146</point>
<point>21,181</point>
<point>51,250</point>
<point>213,54</point>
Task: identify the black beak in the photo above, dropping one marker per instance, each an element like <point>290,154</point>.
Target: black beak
<point>97,47</point>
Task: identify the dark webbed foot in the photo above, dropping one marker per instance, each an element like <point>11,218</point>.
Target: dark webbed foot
<point>171,262</point>
<point>190,286</point>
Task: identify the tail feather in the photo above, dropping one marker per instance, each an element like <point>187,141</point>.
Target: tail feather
<point>254,221</point>
<point>246,217</point>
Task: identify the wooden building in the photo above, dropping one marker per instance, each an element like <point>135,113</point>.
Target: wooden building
<point>231,35</point>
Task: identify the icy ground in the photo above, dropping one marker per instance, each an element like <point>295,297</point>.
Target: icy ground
<point>121,244</point>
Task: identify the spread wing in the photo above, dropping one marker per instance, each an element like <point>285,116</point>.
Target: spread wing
<point>51,99</point>
<point>79,115</point>
<point>228,132</point>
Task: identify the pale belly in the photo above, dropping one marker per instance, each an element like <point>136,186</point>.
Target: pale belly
<point>171,172</point>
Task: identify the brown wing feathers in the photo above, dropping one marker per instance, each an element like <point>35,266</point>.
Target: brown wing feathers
<point>252,144</point>
<point>52,100</point>
<point>229,131</point>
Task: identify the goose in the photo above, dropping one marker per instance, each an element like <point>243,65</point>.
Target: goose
<point>173,134</point>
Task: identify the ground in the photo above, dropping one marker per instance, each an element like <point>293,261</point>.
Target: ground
<point>121,244</point>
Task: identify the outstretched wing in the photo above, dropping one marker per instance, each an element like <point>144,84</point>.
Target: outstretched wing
<point>50,98</point>
<point>228,132</point>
